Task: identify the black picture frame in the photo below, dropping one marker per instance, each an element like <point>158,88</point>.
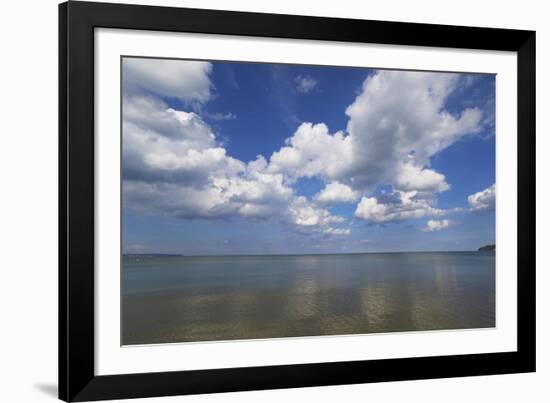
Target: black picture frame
<point>77,379</point>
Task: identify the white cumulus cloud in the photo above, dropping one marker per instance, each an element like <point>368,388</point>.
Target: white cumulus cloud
<point>413,177</point>
<point>398,122</point>
<point>163,144</point>
<point>186,80</point>
<point>436,225</point>
<point>483,200</point>
<point>304,213</point>
<point>313,151</point>
<point>336,192</point>
<point>395,207</point>
<point>173,162</point>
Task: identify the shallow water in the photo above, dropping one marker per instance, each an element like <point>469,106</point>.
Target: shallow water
<point>175,298</point>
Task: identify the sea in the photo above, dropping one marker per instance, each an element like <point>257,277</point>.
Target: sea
<point>174,299</point>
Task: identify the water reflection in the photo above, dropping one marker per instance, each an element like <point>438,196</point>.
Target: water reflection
<point>190,299</point>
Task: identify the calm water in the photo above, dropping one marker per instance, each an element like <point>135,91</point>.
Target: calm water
<point>176,299</point>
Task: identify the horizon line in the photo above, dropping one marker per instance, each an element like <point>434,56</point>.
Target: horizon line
<point>302,254</point>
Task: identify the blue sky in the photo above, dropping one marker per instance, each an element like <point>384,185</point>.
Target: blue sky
<point>249,158</point>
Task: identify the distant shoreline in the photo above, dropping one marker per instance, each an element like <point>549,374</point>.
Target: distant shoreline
<point>297,254</point>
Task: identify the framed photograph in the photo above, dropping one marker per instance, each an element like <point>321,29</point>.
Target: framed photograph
<point>254,201</point>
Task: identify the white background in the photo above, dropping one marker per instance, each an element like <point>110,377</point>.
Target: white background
<point>28,200</point>
<point>111,359</point>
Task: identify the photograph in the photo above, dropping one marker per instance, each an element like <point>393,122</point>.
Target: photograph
<point>265,200</point>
